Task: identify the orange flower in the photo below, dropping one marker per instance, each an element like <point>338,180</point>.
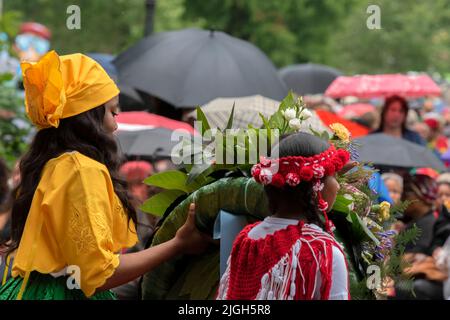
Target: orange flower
<point>44,90</point>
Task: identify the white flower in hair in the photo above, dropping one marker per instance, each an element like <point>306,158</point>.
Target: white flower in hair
<point>289,114</point>
<point>265,177</point>
<point>295,124</point>
<point>305,114</point>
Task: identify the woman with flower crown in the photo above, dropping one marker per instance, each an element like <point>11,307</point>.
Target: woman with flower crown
<point>71,217</point>
<point>292,254</point>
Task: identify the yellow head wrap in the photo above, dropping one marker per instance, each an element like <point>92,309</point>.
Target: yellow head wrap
<point>59,87</point>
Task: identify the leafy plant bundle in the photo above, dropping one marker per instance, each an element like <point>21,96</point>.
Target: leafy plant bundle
<point>362,225</point>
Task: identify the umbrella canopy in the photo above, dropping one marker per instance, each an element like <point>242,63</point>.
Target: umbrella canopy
<point>191,67</point>
<point>355,129</point>
<point>385,150</point>
<point>383,85</point>
<point>246,111</point>
<point>308,78</point>
<point>105,60</point>
<point>139,120</point>
<point>356,110</point>
<point>154,143</point>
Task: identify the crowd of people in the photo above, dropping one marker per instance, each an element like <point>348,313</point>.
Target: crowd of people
<point>73,199</point>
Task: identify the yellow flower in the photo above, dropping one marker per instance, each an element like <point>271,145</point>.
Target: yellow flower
<point>385,210</point>
<point>340,131</point>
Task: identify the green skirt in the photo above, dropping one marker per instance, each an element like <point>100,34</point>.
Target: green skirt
<point>46,287</point>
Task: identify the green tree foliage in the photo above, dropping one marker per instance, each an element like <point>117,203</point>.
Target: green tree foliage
<point>107,26</point>
<point>413,36</point>
<point>289,31</point>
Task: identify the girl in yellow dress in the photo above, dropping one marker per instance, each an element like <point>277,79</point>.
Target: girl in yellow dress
<point>71,216</point>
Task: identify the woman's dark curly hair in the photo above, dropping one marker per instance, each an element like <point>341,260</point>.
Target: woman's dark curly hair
<point>299,198</point>
<point>83,133</point>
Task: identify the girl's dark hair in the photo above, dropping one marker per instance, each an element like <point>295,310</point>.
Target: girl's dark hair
<point>387,104</point>
<point>299,198</point>
<point>83,133</point>
<point>4,188</point>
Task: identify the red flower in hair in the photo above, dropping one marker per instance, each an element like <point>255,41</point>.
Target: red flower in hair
<point>343,155</point>
<point>337,164</point>
<point>292,179</point>
<point>265,177</point>
<point>322,205</point>
<point>318,170</point>
<point>256,170</point>
<point>329,168</point>
<point>278,180</point>
<point>306,173</point>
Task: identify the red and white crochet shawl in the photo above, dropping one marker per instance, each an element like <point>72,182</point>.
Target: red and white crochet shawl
<point>280,266</point>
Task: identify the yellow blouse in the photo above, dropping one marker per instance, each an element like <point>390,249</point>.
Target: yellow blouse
<point>83,223</point>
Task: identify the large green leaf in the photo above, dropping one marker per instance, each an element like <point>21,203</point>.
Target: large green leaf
<point>172,179</point>
<point>341,204</point>
<point>158,204</point>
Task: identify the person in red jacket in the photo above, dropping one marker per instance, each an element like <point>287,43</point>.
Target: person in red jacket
<point>292,254</point>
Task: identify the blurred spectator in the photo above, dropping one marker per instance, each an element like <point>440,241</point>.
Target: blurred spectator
<point>422,129</point>
<point>434,229</point>
<point>394,183</point>
<point>393,120</point>
<point>135,172</point>
<point>32,42</point>
<point>436,140</point>
<point>369,120</point>
<point>443,182</point>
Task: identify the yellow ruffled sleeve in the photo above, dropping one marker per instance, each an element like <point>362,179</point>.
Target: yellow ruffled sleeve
<point>85,226</point>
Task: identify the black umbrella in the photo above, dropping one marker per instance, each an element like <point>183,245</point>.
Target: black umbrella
<point>385,150</point>
<point>308,78</point>
<point>154,143</point>
<point>192,67</point>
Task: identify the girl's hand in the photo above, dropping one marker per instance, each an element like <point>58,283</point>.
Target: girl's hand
<point>188,238</point>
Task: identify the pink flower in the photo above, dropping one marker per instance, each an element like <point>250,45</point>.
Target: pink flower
<point>292,179</point>
<point>318,170</point>
<point>318,186</point>
<point>265,177</point>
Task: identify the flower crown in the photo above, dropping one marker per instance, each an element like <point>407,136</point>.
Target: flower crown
<point>292,170</point>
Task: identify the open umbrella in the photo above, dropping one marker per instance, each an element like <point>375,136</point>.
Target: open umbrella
<point>140,120</point>
<point>191,67</point>
<point>308,78</point>
<point>355,129</point>
<point>385,150</point>
<point>383,85</point>
<point>246,111</point>
<point>153,143</point>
